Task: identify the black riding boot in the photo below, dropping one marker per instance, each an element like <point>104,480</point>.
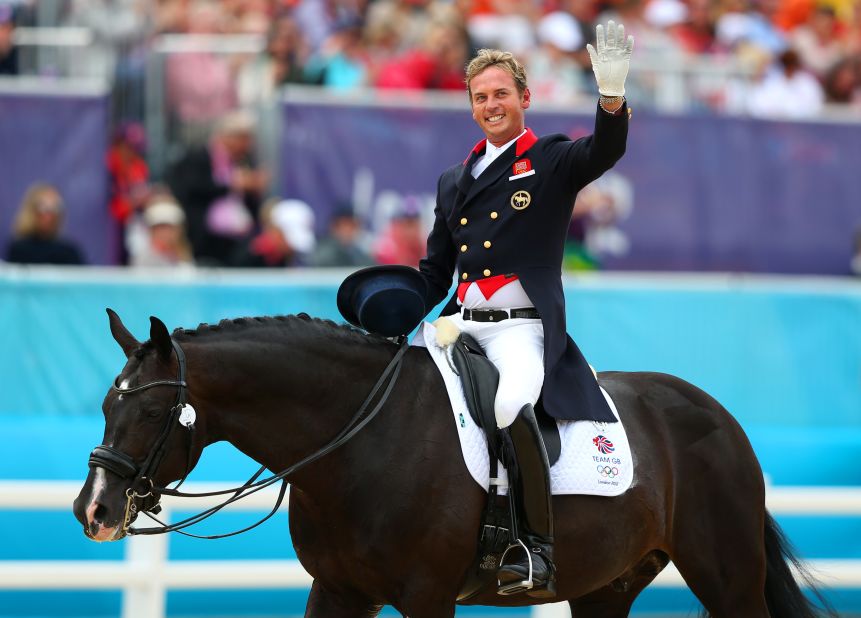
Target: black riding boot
<point>531,571</point>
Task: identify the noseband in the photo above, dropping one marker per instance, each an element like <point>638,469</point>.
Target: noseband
<point>126,467</point>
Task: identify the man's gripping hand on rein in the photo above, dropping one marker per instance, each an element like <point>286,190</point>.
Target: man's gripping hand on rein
<point>610,62</point>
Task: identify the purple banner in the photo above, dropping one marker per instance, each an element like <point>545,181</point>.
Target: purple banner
<point>692,192</point>
<point>60,140</point>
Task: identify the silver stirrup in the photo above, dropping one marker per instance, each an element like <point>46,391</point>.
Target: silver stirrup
<point>516,587</point>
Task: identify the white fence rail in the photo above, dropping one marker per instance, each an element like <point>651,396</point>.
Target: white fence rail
<point>146,574</point>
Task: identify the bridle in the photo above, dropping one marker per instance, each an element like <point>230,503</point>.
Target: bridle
<point>125,466</point>
<point>142,475</point>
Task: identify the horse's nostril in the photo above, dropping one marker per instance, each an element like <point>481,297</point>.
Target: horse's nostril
<point>99,514</point>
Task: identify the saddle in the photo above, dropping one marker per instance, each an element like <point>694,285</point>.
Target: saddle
<point>480,379</point>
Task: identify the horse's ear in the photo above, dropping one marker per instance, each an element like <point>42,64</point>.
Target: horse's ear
<point>160,337</point>
<point>121,334</point>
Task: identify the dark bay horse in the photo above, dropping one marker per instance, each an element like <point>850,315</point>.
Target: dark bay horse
<point>392,516</point>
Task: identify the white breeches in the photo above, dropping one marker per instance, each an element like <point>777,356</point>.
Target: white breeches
<point>516,348</point>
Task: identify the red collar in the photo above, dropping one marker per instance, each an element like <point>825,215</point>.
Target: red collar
<point>524,143</point>
<point>476,150</point>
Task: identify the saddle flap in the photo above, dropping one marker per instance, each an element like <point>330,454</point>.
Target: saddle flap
<point>479,379</point>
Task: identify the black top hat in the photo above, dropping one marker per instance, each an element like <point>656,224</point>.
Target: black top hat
<point>386,300</point>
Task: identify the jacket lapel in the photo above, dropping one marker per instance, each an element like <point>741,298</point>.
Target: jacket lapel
<point>496,169</point>
<point>489,176</point>
<point>464,180</point>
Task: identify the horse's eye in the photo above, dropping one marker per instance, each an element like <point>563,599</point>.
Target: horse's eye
<point>153,412</point>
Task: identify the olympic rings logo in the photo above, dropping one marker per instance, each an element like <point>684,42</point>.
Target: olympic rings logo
<point>608,472</point>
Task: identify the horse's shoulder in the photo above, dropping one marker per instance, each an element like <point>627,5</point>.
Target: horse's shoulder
<point>420,356</point>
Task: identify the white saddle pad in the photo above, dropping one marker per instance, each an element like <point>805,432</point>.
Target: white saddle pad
<point>596,458</point>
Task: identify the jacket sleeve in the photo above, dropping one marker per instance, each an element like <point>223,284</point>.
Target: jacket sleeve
<point>437,267</point>
<point>587,158</point>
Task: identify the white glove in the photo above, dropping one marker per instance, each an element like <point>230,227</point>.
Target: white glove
<point>610,62</point>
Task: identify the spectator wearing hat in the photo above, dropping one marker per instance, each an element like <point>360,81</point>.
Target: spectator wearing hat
<point>286,237</point>
<point>36,238</point>
<point>555,75</point>
<point>164,242</point>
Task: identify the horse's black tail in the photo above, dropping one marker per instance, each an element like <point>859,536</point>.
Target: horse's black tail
<point>783,595</point>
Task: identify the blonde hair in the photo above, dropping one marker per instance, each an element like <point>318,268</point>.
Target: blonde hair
<point>25,220</point>
<point>495,57</point>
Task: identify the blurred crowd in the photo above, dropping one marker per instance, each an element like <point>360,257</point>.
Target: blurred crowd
<point>214,202</point>
<point>214,208</point>
<point>805,50</point>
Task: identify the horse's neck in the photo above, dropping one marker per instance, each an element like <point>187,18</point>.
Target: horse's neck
<point>278,403</point>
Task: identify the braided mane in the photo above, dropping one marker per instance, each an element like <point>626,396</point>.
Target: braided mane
<point>300,321</point>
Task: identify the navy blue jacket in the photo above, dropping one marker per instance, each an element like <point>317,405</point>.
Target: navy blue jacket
<point>513,221</point>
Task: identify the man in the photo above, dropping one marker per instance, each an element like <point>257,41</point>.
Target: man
<point>220,188</point>
<point>501,220</point>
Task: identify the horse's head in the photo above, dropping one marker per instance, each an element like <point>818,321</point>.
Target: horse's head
<point>147,441</point>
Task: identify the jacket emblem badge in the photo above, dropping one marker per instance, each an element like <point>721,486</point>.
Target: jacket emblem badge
<point>520,200</point>
<point>521,167</point>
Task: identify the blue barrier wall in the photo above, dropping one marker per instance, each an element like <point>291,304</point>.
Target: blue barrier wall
<point>783,355</point>
<point>771,350</point>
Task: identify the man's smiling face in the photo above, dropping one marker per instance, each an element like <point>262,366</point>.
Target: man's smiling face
<point>497,106</point>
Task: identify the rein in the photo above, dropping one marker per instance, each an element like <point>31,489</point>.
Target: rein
<point>123,465</point>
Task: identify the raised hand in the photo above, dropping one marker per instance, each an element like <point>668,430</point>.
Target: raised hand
<point>611,60</point>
